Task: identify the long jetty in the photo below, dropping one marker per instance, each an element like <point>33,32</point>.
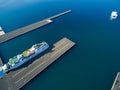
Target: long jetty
<point>15,80</point>
<point>23,30</point>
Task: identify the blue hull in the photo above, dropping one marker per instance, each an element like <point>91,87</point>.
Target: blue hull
<point>40,50</point>
<point>2,74</point>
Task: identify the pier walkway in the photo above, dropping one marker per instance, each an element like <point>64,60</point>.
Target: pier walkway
<point>23,30</point>
<point>1,63</point>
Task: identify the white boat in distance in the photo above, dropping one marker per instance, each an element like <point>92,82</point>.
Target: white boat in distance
<point>114,15</point>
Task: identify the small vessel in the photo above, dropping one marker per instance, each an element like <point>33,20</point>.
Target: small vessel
<point>18,60</point>
<point>114,15</point>
<point>1,31</point>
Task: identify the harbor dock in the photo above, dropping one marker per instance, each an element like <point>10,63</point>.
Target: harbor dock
<point>16,79</point>
<point>23,30</point>
<point>1,63</point>
<point>116,84</point>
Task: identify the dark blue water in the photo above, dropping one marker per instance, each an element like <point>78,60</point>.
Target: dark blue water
<point>91,65</point>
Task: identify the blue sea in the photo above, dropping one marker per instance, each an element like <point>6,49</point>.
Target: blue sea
<point>95,60</point>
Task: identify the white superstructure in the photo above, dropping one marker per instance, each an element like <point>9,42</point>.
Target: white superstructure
<point>1,31</point>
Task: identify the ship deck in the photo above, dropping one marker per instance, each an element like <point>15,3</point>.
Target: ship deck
<point>15,80</point>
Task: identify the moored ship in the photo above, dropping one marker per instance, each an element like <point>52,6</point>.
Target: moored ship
<point>24,57</point>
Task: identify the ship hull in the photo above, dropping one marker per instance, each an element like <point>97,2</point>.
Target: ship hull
<point>40,50</point>
<point>2,73</point>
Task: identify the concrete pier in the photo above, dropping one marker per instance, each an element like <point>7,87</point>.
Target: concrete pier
<point>116,84</point>
<point>63,13</point>
<point>15,80</point>
<point>23,30</point>
<point>1,63</point>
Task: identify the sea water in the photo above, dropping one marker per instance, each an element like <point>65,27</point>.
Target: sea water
<point>95,60</point>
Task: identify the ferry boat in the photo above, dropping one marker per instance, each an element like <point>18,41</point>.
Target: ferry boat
<point>18,60</point>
